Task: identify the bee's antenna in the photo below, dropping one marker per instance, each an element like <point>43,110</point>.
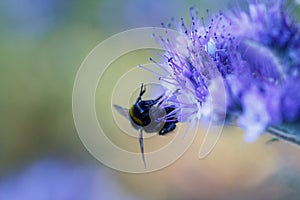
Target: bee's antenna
<point>143,90</point>
<point>142,146</point>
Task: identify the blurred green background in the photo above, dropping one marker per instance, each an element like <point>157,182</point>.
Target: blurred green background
<point>43,43</point>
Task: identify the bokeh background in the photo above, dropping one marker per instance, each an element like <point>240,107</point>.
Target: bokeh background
<point>42,44</point>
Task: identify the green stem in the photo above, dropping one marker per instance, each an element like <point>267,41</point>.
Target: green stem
<point>289,132</point>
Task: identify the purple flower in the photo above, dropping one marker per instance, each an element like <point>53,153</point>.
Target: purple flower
<point>194,60</point>
<point>257,54</point>
<point>269,40</point>
<point>259,109</point>
<point>270,29</point>
<point>290,104</point>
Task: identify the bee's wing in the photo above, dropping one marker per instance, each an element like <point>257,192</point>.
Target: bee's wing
<point>122,111</point>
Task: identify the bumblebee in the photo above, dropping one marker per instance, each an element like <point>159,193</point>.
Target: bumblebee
<point>150,116</point>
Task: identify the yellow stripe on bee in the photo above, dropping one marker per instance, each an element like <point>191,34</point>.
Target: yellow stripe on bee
<point>134,118</point>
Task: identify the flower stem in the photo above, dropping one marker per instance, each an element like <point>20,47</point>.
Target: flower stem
<point>289,132</point>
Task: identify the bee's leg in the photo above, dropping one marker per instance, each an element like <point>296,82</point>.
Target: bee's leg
<point>142,91</point>
<point>142,146</point>
<point>168,127</point>
<point>150,103</point>
<point>158,98</point>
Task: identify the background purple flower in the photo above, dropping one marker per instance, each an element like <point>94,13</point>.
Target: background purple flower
<point>269,40</point>
<point>59,180</point>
